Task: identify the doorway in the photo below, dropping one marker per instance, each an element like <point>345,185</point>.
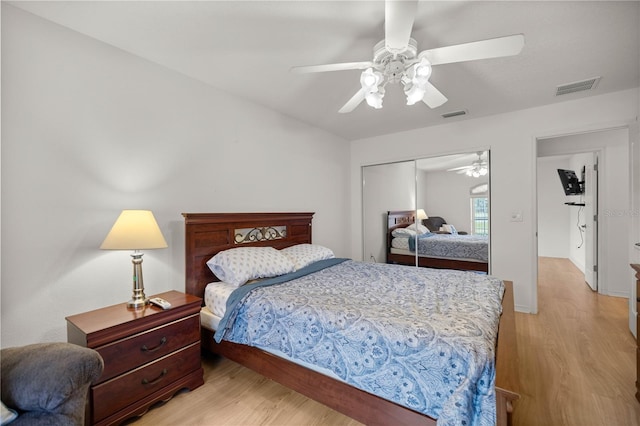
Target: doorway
<point>568,209</point>
<point>609,150</point>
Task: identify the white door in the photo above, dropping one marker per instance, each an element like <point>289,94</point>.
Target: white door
<point>591,223</point>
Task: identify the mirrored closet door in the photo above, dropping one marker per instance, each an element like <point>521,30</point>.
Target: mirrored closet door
<point>450,197</point>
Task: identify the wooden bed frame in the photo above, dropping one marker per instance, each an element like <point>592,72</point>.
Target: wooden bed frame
<point>403,218</point>
<point>208,233</point>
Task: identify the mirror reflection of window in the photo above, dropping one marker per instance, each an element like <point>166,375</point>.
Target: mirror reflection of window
<point>480,209</point>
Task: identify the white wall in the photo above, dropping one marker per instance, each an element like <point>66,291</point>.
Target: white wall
<point>447,195</point>
<point>553,214</point>
<point>511,138</point>
<point>89,130</point>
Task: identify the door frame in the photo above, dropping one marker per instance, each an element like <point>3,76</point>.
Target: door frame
<point>591,275</point>
<point>630,127</point>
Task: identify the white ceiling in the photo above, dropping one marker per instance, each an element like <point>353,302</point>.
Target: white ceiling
<point>246,48</point>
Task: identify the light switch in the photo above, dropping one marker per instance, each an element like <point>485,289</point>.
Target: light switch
<point>516,216</point>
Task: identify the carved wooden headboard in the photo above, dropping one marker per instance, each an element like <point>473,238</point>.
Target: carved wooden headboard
<point>208,233</point>
<point>398,219</point>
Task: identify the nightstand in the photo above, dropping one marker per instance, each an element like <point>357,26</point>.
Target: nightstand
<point>149,354</point>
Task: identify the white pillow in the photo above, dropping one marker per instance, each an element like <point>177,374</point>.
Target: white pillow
<point>402,232</point>
<point>305,254</point>
<point>239,265</point>
<point>449,228</point>
<point>7,415</point>
<point>419,228</point>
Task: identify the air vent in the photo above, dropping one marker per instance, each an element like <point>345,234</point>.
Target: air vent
<point>577,86</point>
<point>454,113</point>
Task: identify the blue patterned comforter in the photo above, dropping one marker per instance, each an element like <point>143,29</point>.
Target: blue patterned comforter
<point>473,247</point>
<point>423,338</point>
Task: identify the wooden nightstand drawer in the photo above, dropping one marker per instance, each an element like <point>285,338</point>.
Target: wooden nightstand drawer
<point>149,354</point>
<point>118,393</point>
<point>129,353</point>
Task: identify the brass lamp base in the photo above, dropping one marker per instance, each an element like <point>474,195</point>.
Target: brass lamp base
<point>137,304</point>
<point>138,299</point>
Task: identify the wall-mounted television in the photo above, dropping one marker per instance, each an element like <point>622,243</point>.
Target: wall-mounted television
<point>570,183</point>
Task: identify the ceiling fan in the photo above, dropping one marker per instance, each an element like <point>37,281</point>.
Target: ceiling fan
<point>396,60</point>
<point>476,169</point>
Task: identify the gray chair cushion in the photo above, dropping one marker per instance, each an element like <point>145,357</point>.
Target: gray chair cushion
<point>47,383</point>
<point>434,223</point>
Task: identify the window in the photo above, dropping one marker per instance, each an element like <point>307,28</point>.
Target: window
<point>479,210</point>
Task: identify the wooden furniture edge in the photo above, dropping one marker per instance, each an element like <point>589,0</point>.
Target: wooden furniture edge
<point>636,268</point>
<point>435,262</point>
<point>220,226</point>
<point>507,376</point>
<point>191,381</point>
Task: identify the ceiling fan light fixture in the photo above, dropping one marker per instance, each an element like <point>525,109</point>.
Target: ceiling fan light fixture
<point>414,93</point>
<point>421,71</point>
<point>374,99</point>
<point>396,60</point>
<point>370,79</point>
<point>371,82</point>
<point>477,171</point>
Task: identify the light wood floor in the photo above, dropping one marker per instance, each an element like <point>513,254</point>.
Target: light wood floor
<point>577,355</point>
<point>577,367</point>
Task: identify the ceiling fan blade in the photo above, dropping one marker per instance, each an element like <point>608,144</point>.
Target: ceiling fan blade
<point>353,102</point>
<point>398,23</point>
<point>484,49</point>
<point>462,168</point>
<point>433,97</point>
<point>332,67</point>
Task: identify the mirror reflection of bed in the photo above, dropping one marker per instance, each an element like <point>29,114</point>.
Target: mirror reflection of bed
<point>452,191</point>
<point>438,244</point>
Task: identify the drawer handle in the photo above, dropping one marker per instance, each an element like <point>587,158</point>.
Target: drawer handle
<point>144,348</point>
<point>157,379</point>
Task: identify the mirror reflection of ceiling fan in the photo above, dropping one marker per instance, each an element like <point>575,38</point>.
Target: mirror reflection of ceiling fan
<point>396,60</point>
<point>476,169</point>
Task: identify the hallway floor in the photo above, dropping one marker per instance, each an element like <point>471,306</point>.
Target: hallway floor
<point>577,355</point>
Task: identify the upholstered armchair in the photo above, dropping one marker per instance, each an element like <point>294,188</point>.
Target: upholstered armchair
<point>48,383</point>
<point>433,223</point>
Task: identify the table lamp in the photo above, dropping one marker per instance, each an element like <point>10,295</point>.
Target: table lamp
<point>422,215</point>
<point>135,230</point>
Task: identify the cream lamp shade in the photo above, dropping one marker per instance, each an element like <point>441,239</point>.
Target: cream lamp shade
<point>422,215</point>
<point>135,230</point>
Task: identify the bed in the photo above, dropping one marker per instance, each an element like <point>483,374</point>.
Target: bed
<point>438,250</point>
<point>207,234</point>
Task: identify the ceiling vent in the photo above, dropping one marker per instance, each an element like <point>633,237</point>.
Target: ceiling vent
<point>577,86</point>
<point>454,113</point>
